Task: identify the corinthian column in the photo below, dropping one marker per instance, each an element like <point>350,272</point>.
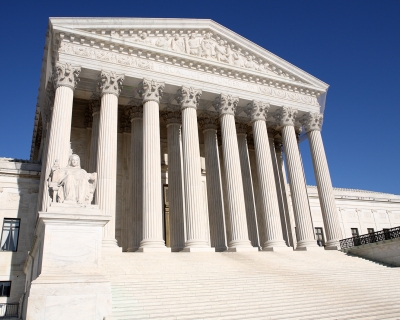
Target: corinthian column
<point>226,105</point>
<point>172,117</point>
<point>151,91</point>
<point>95,109</point>
<point>209,125</point>
<point>312,124</point>
<point>110,86</point>
<point>196,230</point>
<point>65,79</point>
<point>305,236</point>
<point>135,213</point>
<point>249,200</point>
<point>269,199</point>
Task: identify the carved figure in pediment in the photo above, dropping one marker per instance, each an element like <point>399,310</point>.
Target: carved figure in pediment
<point>193,45</point>
<point>249,63</point>
<point>177,44</point>
<point>144,39</point>
<point>220,51</point>
<point>237,58</point>
<point>72,184</point>
<point>207,46</point>
<point>163,42</point>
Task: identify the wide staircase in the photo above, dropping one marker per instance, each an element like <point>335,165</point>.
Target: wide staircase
<point>257,285</point>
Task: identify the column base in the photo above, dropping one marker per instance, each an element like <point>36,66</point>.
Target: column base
<point>110,245</point>
<point>154,249</point>
<point>132,249</point>
<point>243,249</point>
<point>198,249</point>
<point>278,248</point>
<point>177,249</point>
<point>332,245</point>
<point>309,248</point>
<point>221,249</point>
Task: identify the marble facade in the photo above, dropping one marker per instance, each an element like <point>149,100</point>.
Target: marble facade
<point>187,136</point>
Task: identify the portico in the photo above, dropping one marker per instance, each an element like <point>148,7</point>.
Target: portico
<point>155,92</point>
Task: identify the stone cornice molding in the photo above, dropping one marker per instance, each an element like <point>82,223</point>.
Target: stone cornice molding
<point>208,121</point>
<point>226,104</point>
<point>134,109</point>
<point>172,115</point>
<point>285,116</point>
<point>188,97</point>
<point>312,121</point>
<point>66,75</point>
<point>151,90</point>
<point>110,82</point>
<point>257,110</point>
<point>242,128</point>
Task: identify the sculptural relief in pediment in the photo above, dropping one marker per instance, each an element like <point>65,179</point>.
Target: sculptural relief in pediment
<point>203,44</point>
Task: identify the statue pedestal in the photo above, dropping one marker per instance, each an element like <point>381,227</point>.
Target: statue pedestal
<point>70,284</point>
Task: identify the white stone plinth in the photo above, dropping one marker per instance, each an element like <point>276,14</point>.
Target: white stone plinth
<point>70,284</point>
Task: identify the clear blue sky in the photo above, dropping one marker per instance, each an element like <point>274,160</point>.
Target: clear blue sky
<point>354,46</point>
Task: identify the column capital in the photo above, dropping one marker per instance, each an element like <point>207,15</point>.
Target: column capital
<point>226,104</point>
<point>285,116</point>
<point>94,104</point>
<point>188,97</point>
<point>171,115</point>
<point>151,90</point>
<point>312,121</point>
<point>242,128</point>
<point>66,75</point>
<point>208,121</point>
<point>134,110</point>
<point>124,121</point>
<point>257,110</point>
<point>110,82</point>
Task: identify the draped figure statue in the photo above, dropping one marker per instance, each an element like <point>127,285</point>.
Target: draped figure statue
<point>71,184</point>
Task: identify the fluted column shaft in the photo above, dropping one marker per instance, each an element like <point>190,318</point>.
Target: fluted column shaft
<point>175,187</point>
<point>107,164</point>
<point>305,234</point>
<point>235,193</point>
<point>126,189</point>
<point>152,197</point>
<point>59,135</point>
<point>94,141</point>
<point>249,199</point>
<point>135,215</point>
<point>266,179</point>
<point>214,191</point>
<point>195,228</point>
<point>325,190</point>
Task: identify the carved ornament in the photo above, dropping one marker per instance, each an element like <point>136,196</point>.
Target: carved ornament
<point>66,75</point>
<point>188,97</point>
<point>151,90</point>
<point>257,110</point>
<point>110,82</point>
<point>226,104</point>
<point>242,128</point>
<point>208,121</point>
<point>285,116</point>
<point>171,115</point>
<point>312,121</point>
<point>134,109</point>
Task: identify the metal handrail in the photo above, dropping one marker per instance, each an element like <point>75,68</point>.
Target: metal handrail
<point>370,238</point>
<point>9,310</point>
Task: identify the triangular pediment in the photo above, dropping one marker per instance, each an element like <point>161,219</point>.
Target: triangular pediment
<point>201,44</point>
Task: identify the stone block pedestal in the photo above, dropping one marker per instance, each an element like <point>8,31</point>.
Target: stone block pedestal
<point>70,284</point>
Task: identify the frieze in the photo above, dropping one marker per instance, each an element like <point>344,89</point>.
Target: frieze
<point>167,68</point>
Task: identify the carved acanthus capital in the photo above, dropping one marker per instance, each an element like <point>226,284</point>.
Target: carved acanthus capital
<point>242,128</point>
<point>226,104</point>
<point>208,121</point>
<point>172,115</point>
<point>312,121</point>
<point>188,97</point>
<point>66,75</point>
<point>257,110</point>
<point>285,116</point>
<point>110,82</point>
<point>94,104</point>
<point>151,90</point>
<point>134,110</point>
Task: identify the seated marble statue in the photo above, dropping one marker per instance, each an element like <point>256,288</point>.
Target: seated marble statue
<point>71,184</point>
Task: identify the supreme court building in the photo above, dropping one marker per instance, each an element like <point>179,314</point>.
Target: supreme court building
<point>167,135</point>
